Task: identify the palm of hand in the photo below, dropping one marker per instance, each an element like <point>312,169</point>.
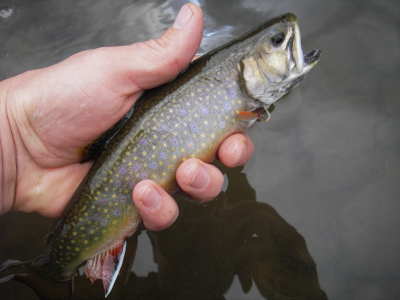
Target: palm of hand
<point>54,121</point>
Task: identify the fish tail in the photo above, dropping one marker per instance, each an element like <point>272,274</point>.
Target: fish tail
<point>37,279</point>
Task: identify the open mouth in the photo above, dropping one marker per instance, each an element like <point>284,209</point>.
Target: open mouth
<point>312,58</point>
<point>294,79</point>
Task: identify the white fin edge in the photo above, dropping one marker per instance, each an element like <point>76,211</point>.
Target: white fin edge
<point>118,268</point>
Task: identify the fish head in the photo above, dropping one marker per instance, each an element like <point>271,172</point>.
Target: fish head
<point>276,63</point>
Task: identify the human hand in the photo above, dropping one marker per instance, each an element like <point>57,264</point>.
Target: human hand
<point>47,115</point>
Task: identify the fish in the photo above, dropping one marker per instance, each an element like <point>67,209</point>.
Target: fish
<point>223,92</point>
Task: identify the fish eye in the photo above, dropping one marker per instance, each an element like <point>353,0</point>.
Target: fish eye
<point>277,37</point>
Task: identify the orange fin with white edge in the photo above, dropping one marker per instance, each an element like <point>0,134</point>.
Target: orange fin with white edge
<point>106,266</point>
<point>261,114</point>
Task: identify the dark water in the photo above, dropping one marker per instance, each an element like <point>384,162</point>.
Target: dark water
<point>327,163</point>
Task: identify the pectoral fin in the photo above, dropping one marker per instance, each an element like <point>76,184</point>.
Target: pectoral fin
<point>261,114</point>
<point>106,266</point>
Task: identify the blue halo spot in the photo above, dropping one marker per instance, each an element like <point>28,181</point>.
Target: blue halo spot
<point>204,110</point>
<point>153,165</point>
<point>142,142</point>
<point>118,183</point>
<point>117,212</point>
<point>121,170</point>
<point>122,199</point>
<point>232,93</point>
<point>164,127</point>
<point>104,201</point>
<point>227,106</point>
<point>174,141</point>
<point>132,185</point>
<point>137,167</point>
<point>222,124</point>
<point>163,155</point>
<point>96,217</point>
<point>144,176</point>
<point>193,127</point>
<point>182,112</point>
<point>103,222</point>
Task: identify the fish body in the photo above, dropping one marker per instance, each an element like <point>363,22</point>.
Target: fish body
<point>223,92</point>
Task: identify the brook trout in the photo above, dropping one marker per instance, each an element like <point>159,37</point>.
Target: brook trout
<point>223,92</point>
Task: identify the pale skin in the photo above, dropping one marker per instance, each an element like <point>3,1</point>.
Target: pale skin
<point>47,115</point>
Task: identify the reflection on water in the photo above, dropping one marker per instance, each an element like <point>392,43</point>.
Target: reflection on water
<point>200,255</point>
<point>6,12</point>
<point>328,160</point>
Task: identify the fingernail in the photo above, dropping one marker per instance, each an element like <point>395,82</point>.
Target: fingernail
<point>183,17</point>
<point>241,148</point>
<point>200,178</point>
<point>151,198</point>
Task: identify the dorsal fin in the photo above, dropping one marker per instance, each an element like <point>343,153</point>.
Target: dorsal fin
<point>92,150</point>
<point>106,266</point>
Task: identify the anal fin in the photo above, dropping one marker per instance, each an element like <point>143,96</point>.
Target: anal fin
<point>106,266</point>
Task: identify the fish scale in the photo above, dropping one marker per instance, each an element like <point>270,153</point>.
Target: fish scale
<point>223,92</point>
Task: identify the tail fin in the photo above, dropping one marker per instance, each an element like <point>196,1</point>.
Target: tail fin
<point>36,278</point>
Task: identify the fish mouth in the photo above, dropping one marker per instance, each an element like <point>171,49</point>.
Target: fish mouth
<point>302,63</point>
<point>309,61</point>
<point>312,58</point>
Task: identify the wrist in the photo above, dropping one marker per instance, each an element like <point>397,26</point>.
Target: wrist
<point>8,165</point>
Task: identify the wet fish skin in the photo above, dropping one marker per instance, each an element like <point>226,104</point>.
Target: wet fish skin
<point>188,117</point>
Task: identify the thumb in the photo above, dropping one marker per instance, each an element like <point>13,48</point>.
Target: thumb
<point>158,61</point>
<point>103,83</point>
<point>149,64</point>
